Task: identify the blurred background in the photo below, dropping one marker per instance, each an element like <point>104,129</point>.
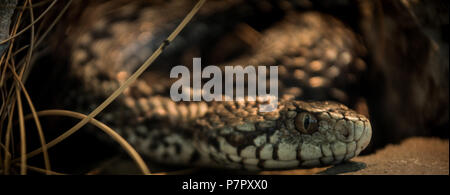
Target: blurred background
<point>404,88</point>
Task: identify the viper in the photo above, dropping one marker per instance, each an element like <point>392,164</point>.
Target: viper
<point>319,63</point>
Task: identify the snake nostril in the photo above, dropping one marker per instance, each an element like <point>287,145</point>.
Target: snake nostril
<point>346,133</point>
<point>344,130</point>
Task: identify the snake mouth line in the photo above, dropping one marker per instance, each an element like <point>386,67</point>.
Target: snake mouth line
<point>262,164</point>
<point>305,155</point>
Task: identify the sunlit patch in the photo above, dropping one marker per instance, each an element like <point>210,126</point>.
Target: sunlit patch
<point>122,76</point>
<point>345,58</point>
<point>330,54</point>
<point>79,56</point>
<point>317,82</point>
<point>332,72</point>
<point>316,65</point>
<point>299,74</point>
<point>299,61</point>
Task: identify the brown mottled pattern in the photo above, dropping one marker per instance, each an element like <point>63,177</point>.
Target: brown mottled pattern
<point>317,57</point>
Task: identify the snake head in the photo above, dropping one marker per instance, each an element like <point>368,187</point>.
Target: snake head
<point>330,118</point>
<point>329,131</point>
<point>298,134</point>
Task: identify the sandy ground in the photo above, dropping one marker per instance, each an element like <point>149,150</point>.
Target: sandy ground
<point>413,156</point>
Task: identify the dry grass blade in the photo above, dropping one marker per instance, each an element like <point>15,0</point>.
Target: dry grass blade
<point>17,87</point>
<point>43,2</point>
<point>41,38</point>
<point>7,141</point>
<point>35,116</point>
<point>180,172</point>
<point>19,50</point>
<point>8,55</point>
<point>31,24</point>
<point>37,169</point>
<point>23,149</point>
<point>4,148</point>
<point>130,80</point>
<point>61,13</point>
<point>119,139</point>
<point>20,86</point>
<point>19,103</point>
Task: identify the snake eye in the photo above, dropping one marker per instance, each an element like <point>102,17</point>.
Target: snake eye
<point>306,123</point>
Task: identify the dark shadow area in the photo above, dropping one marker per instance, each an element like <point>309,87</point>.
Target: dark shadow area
<point>346,167</point>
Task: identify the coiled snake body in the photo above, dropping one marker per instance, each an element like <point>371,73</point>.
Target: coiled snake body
<point>317,57</point>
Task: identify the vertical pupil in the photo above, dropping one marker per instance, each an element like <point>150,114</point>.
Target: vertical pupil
<point>306,122</point>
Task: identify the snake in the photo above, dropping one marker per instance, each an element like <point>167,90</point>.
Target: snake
<point>319,60</point>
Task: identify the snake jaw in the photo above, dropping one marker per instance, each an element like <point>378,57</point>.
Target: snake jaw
<point>337,135</point>
<point>341,133</point>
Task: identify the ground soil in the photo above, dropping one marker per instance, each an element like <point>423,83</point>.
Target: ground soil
<point>413,156</point>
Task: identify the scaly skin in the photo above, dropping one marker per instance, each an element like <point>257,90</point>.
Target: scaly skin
<point>317,57</point>
<point>297,134</point>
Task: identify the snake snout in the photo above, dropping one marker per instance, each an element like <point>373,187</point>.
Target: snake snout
<point>366,134</point>
<point>355,129</point>
<point>345,130</point>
